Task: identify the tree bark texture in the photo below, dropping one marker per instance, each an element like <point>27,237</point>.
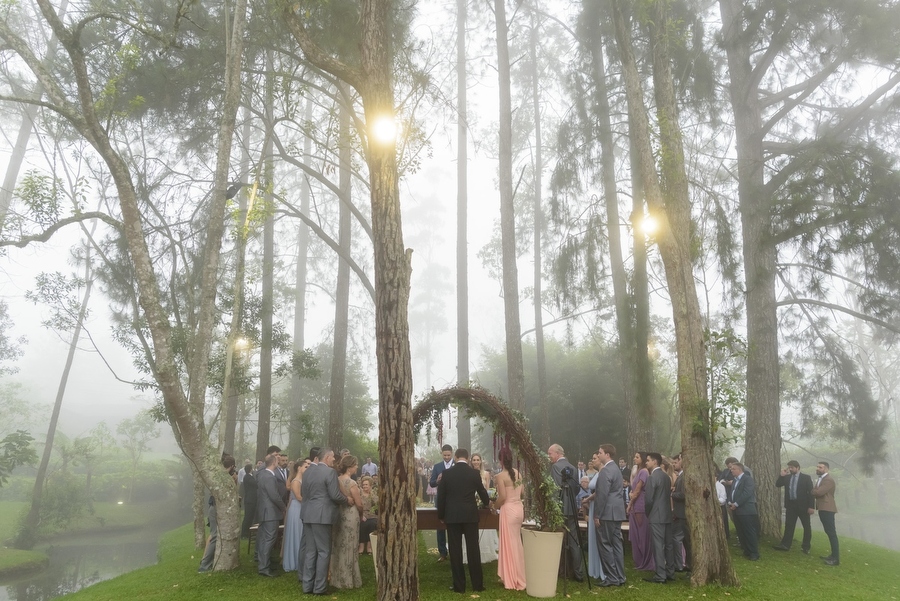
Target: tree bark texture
<point>464,424</point>
<point>342,293</point>
<point>667,197</point>
<point>763,431</point>
<point>514,362</point>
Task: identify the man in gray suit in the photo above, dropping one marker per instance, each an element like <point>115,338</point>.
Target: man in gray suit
<point>609,513</point>
<point>744,512</point>
<point>681,532</point>
<point>270,511</point>
<point>658,506</point>
<point>321,495</point>
<point>301,553</point>
<point>565,476</point>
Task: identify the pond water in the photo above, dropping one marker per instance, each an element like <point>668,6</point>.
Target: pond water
<point>81,562</point>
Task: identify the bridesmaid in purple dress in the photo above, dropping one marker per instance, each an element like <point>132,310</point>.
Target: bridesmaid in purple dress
<point>638,526</point>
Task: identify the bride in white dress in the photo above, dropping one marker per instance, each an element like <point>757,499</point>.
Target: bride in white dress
<point>488,540</point>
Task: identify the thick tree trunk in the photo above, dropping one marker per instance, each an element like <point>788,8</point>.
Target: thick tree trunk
<point>763,438</point>
<point>342,293</point>
<point>27,536</point>
<point>462,223</point>
<point>711,559</point>
<point>514,363</point>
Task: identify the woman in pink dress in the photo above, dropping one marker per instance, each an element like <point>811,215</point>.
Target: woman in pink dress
<point>638,525</point>
<point>511,560</point>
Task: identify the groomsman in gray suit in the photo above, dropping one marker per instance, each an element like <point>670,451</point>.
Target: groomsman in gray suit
<point>270,511</point>
<point>658,507</point>
<point>609,513</point>
<point>321,497</point>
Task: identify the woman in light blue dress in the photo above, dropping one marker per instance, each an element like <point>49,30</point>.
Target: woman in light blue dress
<point>293,525</point>
<point>595,569</point>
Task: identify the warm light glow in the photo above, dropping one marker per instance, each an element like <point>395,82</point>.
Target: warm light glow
<point>121,502</point>
<point>241,344</point>
<point>384,129</point>
<point>648,225</point>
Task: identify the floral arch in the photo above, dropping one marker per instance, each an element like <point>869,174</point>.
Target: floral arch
<point>513,426</point>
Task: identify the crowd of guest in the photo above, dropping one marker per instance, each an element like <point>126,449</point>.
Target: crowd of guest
<point>328,508</point>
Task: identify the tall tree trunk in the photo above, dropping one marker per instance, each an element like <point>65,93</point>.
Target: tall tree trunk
<point>27,536</point>
<point>230,394</point>
<point>543,402</point>
<point>710,557</point>
<point>462,222</point>
<point>637,417</point>
<point>398,554</point>
<point>267,310</point>
<point>514,364</point>
<point>29,112</point>
<point>763,438</point>
<point>300,295</point>
<point>342,293</point>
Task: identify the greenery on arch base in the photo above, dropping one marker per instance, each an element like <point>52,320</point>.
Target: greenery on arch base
<point>543,508</point>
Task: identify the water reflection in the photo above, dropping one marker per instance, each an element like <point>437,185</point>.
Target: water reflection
<point>78,564</point>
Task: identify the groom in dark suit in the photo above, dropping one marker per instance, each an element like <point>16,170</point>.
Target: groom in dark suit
<point>798,504</point>
<point>457,508</point>
<point>563,474</point>
<point>439,468</point>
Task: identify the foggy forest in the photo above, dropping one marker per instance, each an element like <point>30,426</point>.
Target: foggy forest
<point>668,225</point>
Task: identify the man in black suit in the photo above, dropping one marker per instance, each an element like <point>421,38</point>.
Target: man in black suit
<point>439,468</point>
<point>744,511</point>
<point>457,508</point>
<point>563,474</point>
<point>658,507</point>
<point>798,503</point>
<point>270,511</point>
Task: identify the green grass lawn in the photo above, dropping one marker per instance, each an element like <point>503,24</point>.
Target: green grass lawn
<point>866,573</point>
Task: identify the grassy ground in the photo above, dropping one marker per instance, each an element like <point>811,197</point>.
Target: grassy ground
<point>866,573</point>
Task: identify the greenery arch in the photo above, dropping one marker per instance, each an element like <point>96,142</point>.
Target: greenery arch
<point>477,401</point>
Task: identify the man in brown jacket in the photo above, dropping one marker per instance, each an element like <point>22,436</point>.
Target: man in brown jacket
<point>823,491</point>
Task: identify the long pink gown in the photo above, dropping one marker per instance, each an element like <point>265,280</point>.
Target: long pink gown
<point>511,560</point>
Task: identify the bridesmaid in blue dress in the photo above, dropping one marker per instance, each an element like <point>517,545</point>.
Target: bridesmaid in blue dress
<point>293,525</point>
<point>595,569</point>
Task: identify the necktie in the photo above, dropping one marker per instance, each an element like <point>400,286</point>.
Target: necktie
<point>794,487</point>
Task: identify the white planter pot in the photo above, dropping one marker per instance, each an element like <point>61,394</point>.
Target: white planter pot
<point>542,550</point>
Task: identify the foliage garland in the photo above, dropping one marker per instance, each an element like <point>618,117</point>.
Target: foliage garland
<point>544,510</point>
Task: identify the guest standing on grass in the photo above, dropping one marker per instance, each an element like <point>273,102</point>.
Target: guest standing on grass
<point>293,525</point>
<point>436,474</point>
<point>799,504</point>
<point>609,513</point>
<point>595,566</point>
<point>270,511</point>
<point>322,497</point>
<point>368,522</point>
<point>823,491</point>
<point>744,512</point>
<point>658,505</point>
<point>345,534</point>
<point>638,526</point>
<point>511,560</point>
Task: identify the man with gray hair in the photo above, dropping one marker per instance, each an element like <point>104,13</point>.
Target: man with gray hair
<point>565,476</point>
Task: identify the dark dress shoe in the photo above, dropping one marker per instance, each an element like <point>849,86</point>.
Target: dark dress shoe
<point>669,579</point>
<point>578,578</point>
<point>655,581</point>
<point>607,583</point>
<point>825,557</point>
<point>442,558</point>
<point>780,548</point>
<point>832,562</point>
<point>267,574</point>
<point>804,551</point>
<point>753,558</point>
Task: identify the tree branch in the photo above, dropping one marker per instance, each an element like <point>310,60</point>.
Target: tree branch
<point>48,233</point>
<point>315,55</point>
<point>811,301</point>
